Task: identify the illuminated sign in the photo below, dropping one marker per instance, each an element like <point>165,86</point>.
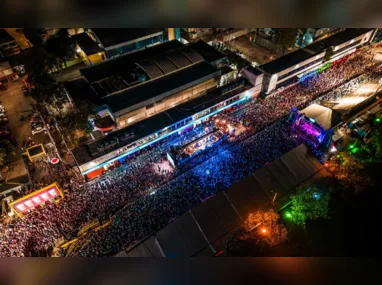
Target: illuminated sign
<point>54,160</point>
<point>23,205</point>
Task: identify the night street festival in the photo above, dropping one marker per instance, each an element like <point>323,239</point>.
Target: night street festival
<point>140,197</point>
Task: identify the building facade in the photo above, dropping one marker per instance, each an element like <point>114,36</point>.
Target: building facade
<point>117,42</point>
<point>286,70</point>
<point>139,85</point>
<point>8,45</point>
<point>93,159</point>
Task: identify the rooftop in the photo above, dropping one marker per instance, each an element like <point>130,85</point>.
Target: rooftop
<point>322,115</point>
<point>303,54</point>
<point>254,70</point>
<point>206,51</point>
<point>86,43</point>
<point>80,89</point>
<point>181,79</point>
<point>124,64</point>
<point>110,37</point>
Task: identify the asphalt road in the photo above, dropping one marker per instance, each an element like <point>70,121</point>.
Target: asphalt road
<point>17,104</point>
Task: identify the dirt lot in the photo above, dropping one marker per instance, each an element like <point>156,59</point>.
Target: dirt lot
<point>254,52</point>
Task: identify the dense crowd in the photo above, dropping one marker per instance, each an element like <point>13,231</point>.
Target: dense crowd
<point>144,200</point>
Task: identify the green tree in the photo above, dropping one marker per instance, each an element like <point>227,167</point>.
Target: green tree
<point>34,36</point>
<point>348,172</point>
<point>376,139</point>
<point>61,46</point>
<point>286,38</point>
<point>311,203</point>
<point>38,63</point>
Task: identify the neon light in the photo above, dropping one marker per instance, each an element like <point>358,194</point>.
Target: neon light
<point>164,136</point>
<point>355,150</point>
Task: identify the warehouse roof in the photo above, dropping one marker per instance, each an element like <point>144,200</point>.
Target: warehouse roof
<point>125,63</point>
<point>110,37</point>
<point>209,53</point>
<point>80,89</point>
<point>86,43</point>
<point>171,83</point>
<point>303,54</point>
<point>169,62</point>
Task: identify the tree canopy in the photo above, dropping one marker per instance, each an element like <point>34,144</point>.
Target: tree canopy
<point>265,227</point>
<point>61,46</point>
<point>286,38</point>
<point>348,172</point>
<point>311,203</point>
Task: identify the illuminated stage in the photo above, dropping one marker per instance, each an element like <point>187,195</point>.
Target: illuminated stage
<point>310,129</point>
<point>179,155</point>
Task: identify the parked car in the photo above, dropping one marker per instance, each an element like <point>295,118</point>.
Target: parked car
<point>38,130</point>
<point>3,121</point>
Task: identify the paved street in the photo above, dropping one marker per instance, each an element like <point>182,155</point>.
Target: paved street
<point>16,104</point>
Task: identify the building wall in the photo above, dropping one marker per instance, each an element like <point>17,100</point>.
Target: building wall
<point>10,48</point>
<point>91,59</point>
<point>97,57</point>
<point>316,61</point>
<point>166,103</point>
<point>133,46</point>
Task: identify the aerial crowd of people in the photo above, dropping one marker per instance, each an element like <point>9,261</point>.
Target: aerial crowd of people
<point>142,200</point>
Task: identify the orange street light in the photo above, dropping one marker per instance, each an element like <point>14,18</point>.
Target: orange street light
<point>264,231</point>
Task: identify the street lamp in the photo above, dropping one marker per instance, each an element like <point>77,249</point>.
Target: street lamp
<point>264,230</point>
